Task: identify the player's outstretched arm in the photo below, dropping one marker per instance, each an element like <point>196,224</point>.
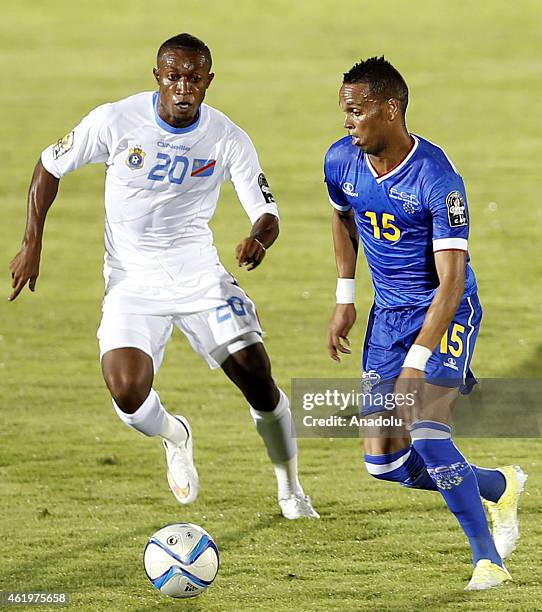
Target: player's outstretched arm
<point>26,264</point>
<point>251,251</point>
<point>345,240</point>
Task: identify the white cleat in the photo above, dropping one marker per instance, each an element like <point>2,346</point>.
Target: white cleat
<point>297,506</point>
<point>504,513</point>
<point>487,575</point>
<point>181,472</point>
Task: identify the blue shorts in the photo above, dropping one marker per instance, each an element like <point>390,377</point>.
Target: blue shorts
<point>391,333</point>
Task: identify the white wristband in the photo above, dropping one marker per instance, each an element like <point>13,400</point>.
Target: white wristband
<point>346,290</point>
<point>417,357</point>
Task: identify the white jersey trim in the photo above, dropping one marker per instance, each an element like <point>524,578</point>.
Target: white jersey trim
<point>443,244</point>
<point>338,206</point>
<point>471,330</point>
<point>395,170</point>
<point>383,468</point>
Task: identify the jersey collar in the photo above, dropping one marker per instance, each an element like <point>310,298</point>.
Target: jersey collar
<point>169,128</point>
<point>395,170</point>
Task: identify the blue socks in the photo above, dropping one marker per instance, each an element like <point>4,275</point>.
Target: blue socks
<point>408,469</point>
<point>434,463</point>
<point>405,467</point>
<point>491,483</point>
<point>457,483</point>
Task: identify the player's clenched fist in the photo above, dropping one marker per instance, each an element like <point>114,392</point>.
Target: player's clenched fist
<point>340,324</point>
<point>25,267</point>
<point>250,253</point>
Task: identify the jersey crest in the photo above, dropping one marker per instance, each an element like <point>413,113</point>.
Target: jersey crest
<point>136,158</point>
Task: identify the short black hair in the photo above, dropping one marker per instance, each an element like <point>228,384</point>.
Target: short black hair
<point>186,41</point>
<point>384,80</point>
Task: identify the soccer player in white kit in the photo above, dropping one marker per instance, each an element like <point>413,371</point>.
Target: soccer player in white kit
<point>166,156</point>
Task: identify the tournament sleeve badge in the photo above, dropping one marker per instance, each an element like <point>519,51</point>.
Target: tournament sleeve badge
<point>264,188</point>
<point>457,212</point>
<point>136,158</point>
<point>63,145</point>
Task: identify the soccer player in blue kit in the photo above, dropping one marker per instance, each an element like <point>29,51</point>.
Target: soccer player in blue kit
<point>402,196</point>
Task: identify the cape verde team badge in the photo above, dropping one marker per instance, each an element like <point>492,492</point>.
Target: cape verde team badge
<point>136,158</point>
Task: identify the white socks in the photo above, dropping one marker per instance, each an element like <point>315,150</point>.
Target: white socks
<point>152,419</point>
<point>287,479</point>
<point>276,430</point>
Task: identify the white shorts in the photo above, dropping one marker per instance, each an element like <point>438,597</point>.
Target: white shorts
<point>211,309</point>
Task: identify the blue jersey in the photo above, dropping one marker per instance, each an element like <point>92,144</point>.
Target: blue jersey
<point>402,217</point>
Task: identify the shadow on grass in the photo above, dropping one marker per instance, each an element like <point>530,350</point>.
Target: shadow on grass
<point>451,598</point>
<point>65,557</point>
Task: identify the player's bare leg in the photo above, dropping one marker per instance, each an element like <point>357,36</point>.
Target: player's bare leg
<point>250,370</point>
<point>129,374</point>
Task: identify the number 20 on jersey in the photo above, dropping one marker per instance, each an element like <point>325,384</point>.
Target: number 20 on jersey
<point>175,169</point>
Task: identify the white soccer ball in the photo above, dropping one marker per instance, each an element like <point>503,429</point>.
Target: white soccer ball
<point>181,560</point>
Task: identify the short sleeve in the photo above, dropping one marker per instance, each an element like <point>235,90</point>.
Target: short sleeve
<point>448,207</point>
<point>248,179</point>
<point>88,143</point>
<point>335,193</point>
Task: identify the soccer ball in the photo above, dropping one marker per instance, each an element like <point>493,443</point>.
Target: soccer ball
<point>181,560</point>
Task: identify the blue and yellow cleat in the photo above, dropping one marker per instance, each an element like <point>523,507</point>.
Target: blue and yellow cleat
<point>504,513</point>
<point>487,575</point>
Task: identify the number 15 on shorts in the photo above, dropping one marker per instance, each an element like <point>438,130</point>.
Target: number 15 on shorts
<point>452,341</point>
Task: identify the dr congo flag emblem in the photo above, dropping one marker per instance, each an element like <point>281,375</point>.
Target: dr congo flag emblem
<point>203,167</point>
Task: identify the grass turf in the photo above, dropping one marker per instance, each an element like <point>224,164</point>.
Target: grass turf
<point>80,493</point>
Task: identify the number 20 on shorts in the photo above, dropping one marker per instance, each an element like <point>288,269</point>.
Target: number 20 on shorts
<point>454,344</point>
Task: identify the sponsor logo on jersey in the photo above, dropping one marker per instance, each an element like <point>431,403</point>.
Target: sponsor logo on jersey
<point>411,205</point>
<point>450,363</point>
<point>62,146</point>
<point>264,188</point>
<point>457,212</point>
<point>168,145</point>
<point>203,167</point>
<point>136,158</point>
<point>348,188</point>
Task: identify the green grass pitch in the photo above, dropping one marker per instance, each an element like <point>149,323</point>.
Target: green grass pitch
<point>79,491</point>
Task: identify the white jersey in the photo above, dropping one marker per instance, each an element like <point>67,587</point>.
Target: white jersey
<point>162,184</point>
